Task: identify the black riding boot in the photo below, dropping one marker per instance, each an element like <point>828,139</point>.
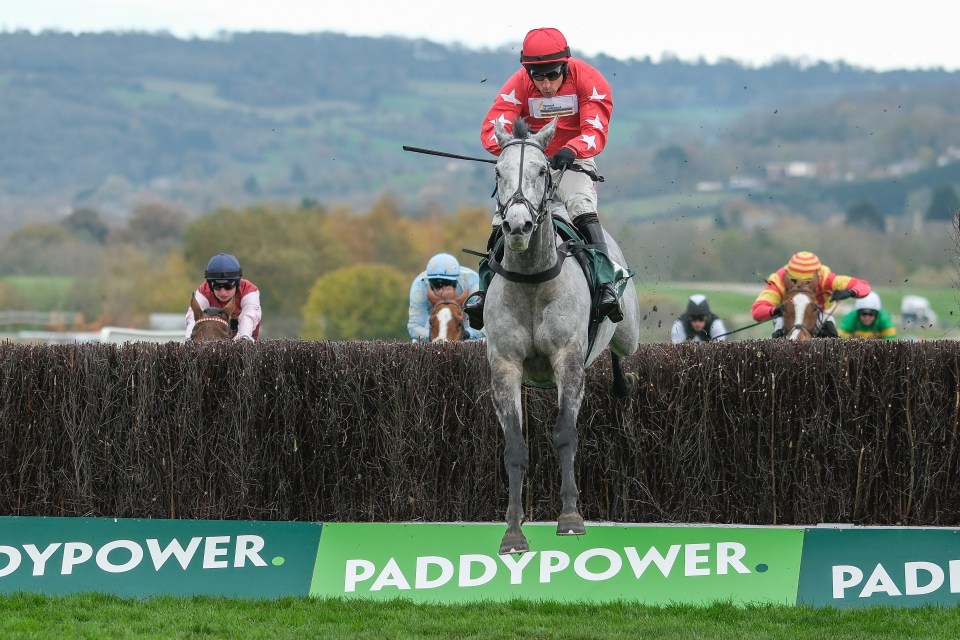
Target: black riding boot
<point>588,224</point>
<point>473,305</point>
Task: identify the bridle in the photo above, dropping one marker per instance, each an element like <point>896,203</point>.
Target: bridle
<point>209,318</point>
<point>538,212</point>
<point>798,325</point>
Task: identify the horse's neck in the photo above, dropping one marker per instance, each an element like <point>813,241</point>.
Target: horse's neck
<point>540,255</point>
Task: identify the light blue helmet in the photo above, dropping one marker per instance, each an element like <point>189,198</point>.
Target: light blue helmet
<point>443,266</point>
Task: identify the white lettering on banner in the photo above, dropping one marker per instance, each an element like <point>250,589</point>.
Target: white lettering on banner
<point>580,564</point>
<point>103,559</point>
<point>728,557</point>
<point>489,570</point>
<point>692,559</point>
<point>212,550</point>
<point>357,571</point>
<point>423,580</point>
<point>918,578</point>
<point>249,548</point>
<point>911,571</point>
<point>552,562</point>
<point>664,563</point>
<point>391,576</point>
<point>40,559</point>
<point>160,556</point>
<point>13,560</point>
<point>75,553</point>
<point>516,567</point>
<point>246,552</point>
<point>730,554</point>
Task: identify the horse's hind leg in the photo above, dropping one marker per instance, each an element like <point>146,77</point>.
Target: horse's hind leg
<point>507,402</point>
<point>566,440</point>
<point>622,382</point>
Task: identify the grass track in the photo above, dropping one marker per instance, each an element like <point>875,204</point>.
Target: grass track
<point>102,616</point>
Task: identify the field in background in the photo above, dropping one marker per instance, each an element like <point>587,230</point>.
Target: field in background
<point>662,302</point>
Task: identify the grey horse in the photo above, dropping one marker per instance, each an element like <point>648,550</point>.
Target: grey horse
<point>537,323</point>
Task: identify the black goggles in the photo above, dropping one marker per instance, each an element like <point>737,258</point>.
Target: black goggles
<point>437,283</point>
<point>223,284</point>
<point>698,318</point>
<point>546,74</point>
<point>867,312</point>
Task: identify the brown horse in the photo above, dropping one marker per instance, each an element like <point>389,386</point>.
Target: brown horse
<point>801,313</point>
<point>212,323</point>
<point>447,320</point>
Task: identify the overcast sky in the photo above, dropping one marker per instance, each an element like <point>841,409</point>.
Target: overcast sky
<point>919,34</point>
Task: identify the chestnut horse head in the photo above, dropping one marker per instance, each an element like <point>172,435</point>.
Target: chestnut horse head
<point>211,323</point>
<point>447,320</point>
<point>801,313</point>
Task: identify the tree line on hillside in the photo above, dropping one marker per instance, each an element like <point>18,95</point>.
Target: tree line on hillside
<point>98,119</point>
<point>342,274</point>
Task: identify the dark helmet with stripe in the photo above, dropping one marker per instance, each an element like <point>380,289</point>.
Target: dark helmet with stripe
<point>223,266</point>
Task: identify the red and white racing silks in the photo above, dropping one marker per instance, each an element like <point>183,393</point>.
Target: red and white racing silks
<point>583,104</point>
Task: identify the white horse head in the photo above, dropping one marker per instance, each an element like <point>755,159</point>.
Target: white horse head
<point>523,180</point>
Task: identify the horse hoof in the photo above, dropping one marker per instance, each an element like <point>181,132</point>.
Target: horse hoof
<point>571,524</point>
<point>513,542</point>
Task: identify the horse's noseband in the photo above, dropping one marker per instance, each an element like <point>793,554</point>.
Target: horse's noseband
<point>537,211</point>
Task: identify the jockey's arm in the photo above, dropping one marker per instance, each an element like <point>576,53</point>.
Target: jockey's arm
<point>250,315</point>
<point>418,312</point>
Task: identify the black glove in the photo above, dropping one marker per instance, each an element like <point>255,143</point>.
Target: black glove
<point>563,160</point>
<point>777,311</point>
<point>843,294</point>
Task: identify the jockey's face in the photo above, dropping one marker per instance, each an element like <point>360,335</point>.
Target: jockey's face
<point>224,294</point>
<point>698,322</point>
<point>547,87</point>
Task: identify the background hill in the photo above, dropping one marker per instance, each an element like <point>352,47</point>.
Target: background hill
<point>129,158</point>
<point>99,119</point>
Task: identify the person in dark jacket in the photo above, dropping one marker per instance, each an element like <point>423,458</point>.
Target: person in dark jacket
<point>698,323</point>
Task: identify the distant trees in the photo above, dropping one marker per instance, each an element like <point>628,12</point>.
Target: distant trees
<point>865,214</point>
<point>363,302</point>
<point>944,204</point>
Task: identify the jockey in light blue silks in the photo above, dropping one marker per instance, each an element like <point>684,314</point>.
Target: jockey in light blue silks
<point>442,270</point>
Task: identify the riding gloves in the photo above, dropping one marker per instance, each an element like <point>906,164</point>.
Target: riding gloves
<point>563,160</point>
<point>777,311</point>
<point>843,294</point>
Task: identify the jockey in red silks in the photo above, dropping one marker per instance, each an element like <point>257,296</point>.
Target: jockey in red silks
<point>830,287</point>
<point>552,84</point>
<point>222,283</point>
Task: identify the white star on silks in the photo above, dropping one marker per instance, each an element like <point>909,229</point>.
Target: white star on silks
<point>594,95</point>
<point>502,120</point>
<point>595,122</point>
<point>590,140</point>
<point>512,96</point>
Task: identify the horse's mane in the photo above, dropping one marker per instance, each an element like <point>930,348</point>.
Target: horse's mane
<point>521,129</point>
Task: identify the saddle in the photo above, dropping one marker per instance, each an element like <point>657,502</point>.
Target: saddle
<point>596,265</point>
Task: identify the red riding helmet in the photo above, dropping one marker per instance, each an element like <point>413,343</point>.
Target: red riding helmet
<point>543,46</point>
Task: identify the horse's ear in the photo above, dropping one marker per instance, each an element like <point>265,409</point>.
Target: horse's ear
<point>500,131</point>
<point>197,311</point>
<point>545,135</point>
<point>231,306</point>
<point>463,297</point>
<point>432,296</point>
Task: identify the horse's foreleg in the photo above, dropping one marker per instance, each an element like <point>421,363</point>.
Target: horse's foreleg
<point>566,440</point>
<point>622,382</point>
<point>506,401</point>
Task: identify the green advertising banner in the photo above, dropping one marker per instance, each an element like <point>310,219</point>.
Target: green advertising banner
<point>154,557</point>
<point>868,566</point>
<point>650,564</point>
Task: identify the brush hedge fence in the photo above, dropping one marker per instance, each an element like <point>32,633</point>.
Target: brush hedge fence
<point>756,432</point>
